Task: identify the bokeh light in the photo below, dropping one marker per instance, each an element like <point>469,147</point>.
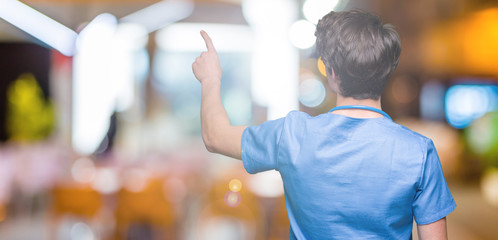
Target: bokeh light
<point>302,34</point>
<point>311,92</point>
<point>83,170</point>
<point>489,186</point>
<point>235,185</point>
<point>314,10</point>
<point>106,180</point>
<point>465,103</point>
<point>232,199</point>
<point>481,135</point>
<point>30,117</point>
<point>223,228</point>
<point>81,231</point>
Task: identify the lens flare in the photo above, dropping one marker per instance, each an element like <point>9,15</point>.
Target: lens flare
<point>235,185</point>
<point>232,199</point>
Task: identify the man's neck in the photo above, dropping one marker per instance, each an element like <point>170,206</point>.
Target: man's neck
<point>358,113</point>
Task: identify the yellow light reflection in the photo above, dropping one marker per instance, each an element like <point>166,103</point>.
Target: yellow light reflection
<point>321,67</point>
<point>235,185</point>
<point>465,46</point>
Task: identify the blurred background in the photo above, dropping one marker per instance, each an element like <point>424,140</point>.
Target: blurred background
<point>99,111</point>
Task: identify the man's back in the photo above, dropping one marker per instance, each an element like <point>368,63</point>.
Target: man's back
<point>355,177</point>
<point>350,178</point>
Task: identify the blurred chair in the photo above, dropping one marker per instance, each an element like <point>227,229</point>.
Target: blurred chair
<point>144,214</point>
<point>73,201</point>
<point>76,200</point>
<point>230,215</point>
<point>3,212</point>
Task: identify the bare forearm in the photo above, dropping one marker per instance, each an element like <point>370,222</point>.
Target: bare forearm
<point>213,114</point>
<point>433,231</point>
<point>218,134</point>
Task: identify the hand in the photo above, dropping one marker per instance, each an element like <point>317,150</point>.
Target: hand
<point>207,66</point>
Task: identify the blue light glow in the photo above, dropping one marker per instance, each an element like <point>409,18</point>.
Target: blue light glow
<point>311,92</point>
<point>465,103</point>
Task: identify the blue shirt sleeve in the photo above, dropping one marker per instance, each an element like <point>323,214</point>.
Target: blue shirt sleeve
<point>259,146</point>
<point>433,199</point>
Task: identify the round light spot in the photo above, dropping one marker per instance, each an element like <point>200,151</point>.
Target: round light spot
<point>235,185</point>
<point>83,170</point>
<point>489,186</point>
<point>314,10</point>
<point>480,134</point>
<point>311,92</point>
<point>302,34</point>
<point>81,231</point>
<point>465,103</point>
<point>106,180</point>
<point>232,199</point>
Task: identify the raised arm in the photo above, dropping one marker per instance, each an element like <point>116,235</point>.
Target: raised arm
<point>218,134</point>
<point>433,231</point>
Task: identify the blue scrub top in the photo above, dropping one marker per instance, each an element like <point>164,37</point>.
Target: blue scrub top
<point>350,178</point>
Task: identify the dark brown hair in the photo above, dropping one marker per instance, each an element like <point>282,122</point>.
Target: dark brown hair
<point>361,49</point>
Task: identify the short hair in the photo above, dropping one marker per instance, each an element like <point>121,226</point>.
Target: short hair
<point>361,49</point>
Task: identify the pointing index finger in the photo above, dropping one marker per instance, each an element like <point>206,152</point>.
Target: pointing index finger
<point>207,40</point>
